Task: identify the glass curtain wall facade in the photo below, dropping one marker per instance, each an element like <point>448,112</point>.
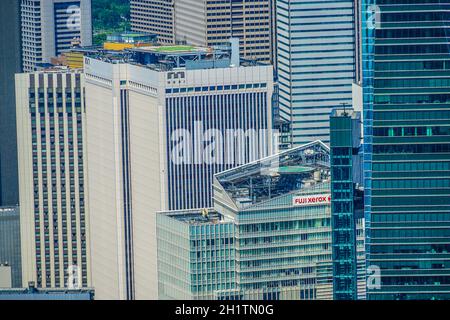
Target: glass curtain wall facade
<point>406,58</point>
<point>196,255</point>
<point>10,252</point>
<point>10,63</point>
<point>344,135</point>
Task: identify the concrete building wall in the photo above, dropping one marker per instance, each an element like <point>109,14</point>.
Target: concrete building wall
<point>191,22</point>
<point>106,201</point>
<point>52,166</point>
<point>110,120</point>
<point>128,152</point>
<point>154,16</point>
<point>49,27</point>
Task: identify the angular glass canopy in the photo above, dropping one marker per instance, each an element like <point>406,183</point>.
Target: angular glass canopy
<point>286,172</point>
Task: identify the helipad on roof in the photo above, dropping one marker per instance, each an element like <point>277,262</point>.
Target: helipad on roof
<point>174,49</point>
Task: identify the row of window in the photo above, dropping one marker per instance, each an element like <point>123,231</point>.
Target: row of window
<point>411,166</point>
<point>411,183</point>
<point>411,131</point>
<point>217,88</point>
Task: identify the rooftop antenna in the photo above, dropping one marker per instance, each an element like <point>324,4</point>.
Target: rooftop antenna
<point>344,104</point>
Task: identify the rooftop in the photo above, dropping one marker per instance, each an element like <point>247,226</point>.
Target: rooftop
<point>166,58</point>
<point>347,112</point>
<point>174,49</point>
<point>132,37</point>
<point>33,293</point>
<point>283,173</point>
<point>196,216</point>
<point>9,210</point>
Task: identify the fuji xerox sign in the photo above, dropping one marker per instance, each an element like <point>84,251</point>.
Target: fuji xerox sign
<point>310,200</point>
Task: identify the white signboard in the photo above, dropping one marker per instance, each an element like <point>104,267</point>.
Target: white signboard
<point>311,200</point>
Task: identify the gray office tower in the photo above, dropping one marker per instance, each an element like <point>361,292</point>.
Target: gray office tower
<point>10,243</point>
<point>318,53</point>
<point>10,63</point>
<point>50,26</point>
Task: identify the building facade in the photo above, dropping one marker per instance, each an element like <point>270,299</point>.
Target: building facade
<point>10,249</point>
<point>347,204</point>
<point>154,16</point>
<point>317,58</point>
<point>160,125</point>
<point>53,179</point>
<point>196,255</point>
<point>407,148</point>
<point>278,211</point>
<point>210,23</point>
<point>10,63</point>
<point>49,27</point>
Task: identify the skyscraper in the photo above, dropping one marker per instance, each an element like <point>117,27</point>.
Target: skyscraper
<point>10,248</point>
<point>161,122</point>
<point>317,55</point>
<point>53,179</point>
<point>407,148</point>
<point>267,237</point>
<point>210,23</point>
<point>347,199</point>
<point>50,26</point>
<point>154,16</point>
<point>10,63</point>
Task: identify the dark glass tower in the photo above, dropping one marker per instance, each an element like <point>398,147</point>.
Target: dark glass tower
<point>406,59</point>
<point>10,63</point>
<point>345,142</point>
<point>10,249</point>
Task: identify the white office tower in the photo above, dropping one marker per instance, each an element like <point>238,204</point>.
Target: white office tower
<point>50,26</point>
<point>161,122</point>
<point>317,55</point>
<point>52,179</point>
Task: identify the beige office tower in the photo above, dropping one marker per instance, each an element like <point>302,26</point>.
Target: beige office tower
<point>154,16</point>
<point>52,179</point>
<point>210,23</point>
<point>143,118</point>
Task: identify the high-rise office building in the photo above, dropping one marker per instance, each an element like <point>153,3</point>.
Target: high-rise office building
<point>10,63</point>
<point>50,26</point>
<point>267,237</point>
<point>347,199</point>
<point>210,23</point>
<point>407,148</point>
<point>317,55</point>
<point>189,242</point>
<point>53,179</point>
<point>154,16</point>
<point>161,121</point>
<point>10,243</point>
